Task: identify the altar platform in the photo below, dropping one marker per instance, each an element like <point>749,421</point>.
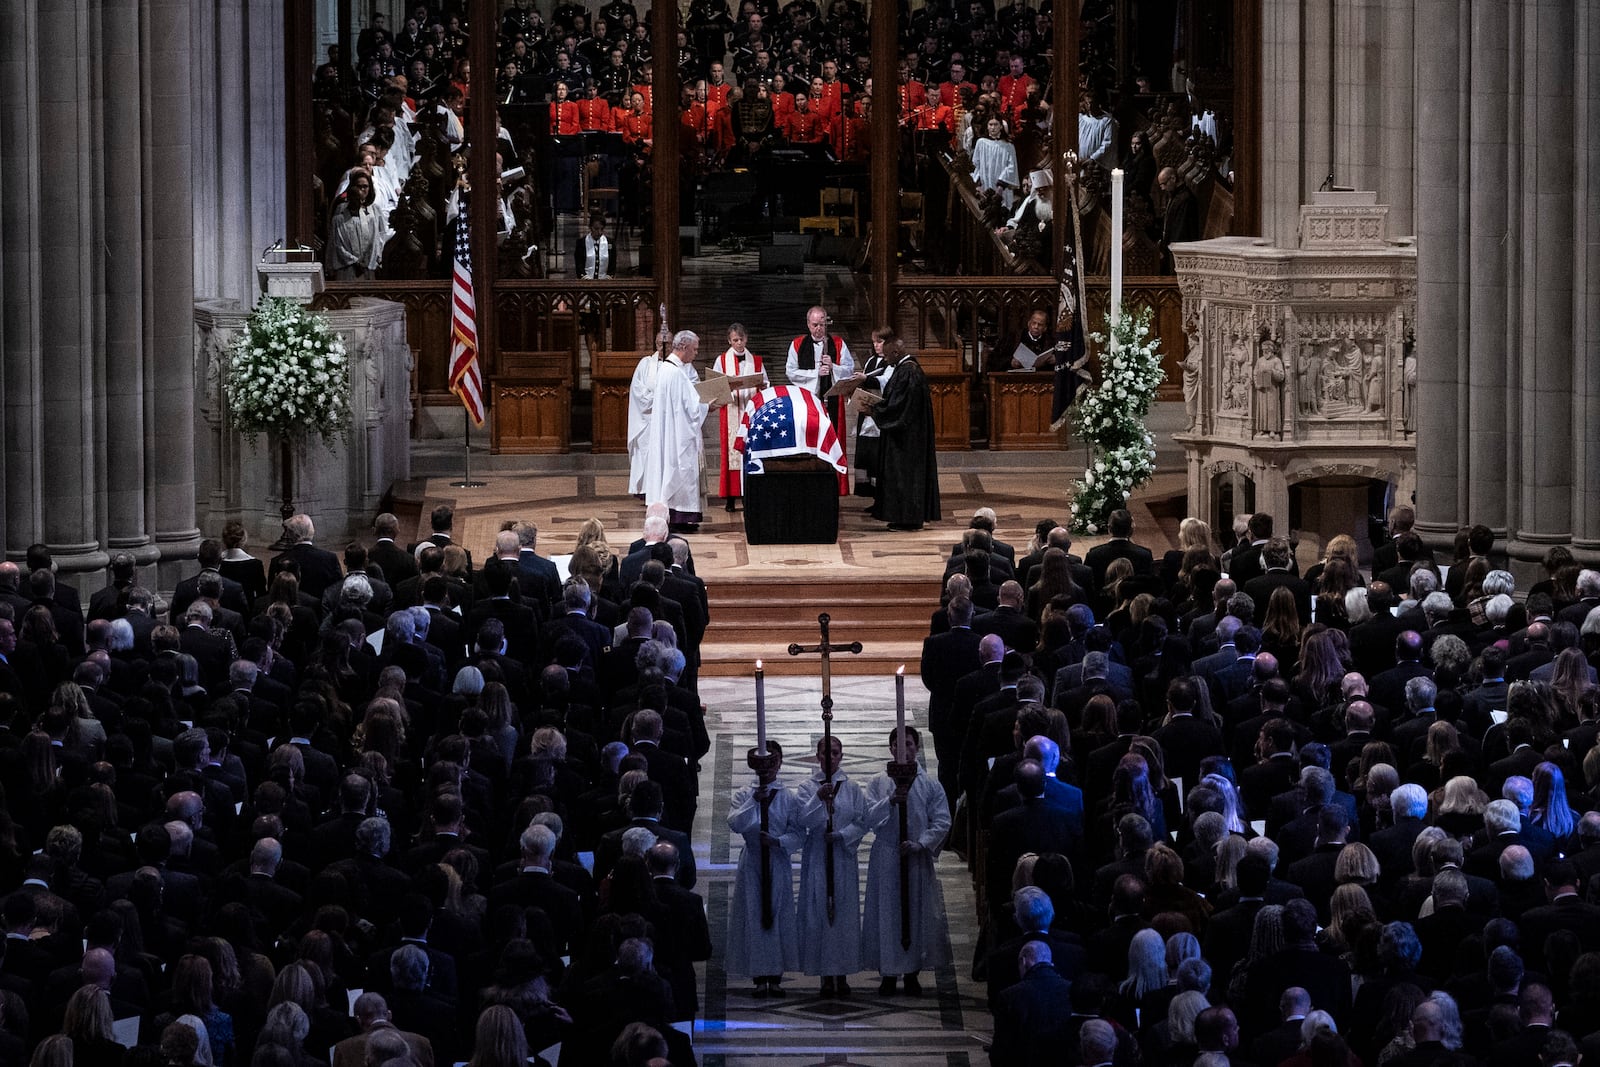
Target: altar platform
<point>879,587</point>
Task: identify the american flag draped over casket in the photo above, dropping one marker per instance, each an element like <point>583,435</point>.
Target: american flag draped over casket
<point>785,421</point>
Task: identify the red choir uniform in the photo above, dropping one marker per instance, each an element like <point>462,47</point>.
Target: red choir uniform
<point>636,129</point>
<point>830,107</point>
<point>933,116</point>
<point>717,96</point>
<point>1014,96</point>
<point>782,108</point>
<point>913,94</point>
<point>950,92</point>
<point>696,126</point>
<point>645,89</point>
<point>805,127</point>
<point>564,120</point>
<point>594,116</point>
<point>720,114</point>
<point>855,138</point>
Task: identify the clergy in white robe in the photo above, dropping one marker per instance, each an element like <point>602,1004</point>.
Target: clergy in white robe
<point>1097,136</point>
<point>928,822</point>
<point>641,401</point>
<point>754,951</point>
<point>671,444</point>
<point>831,949</point>
<point>994,164</point>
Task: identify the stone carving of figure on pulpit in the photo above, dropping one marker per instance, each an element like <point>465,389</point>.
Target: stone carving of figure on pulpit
<point>1267,413</point>
<point>1308,379</point>
<point>1374,376</point>
<point>1236,375</point>
<point>1192,367</point>
<point>1408,390</point>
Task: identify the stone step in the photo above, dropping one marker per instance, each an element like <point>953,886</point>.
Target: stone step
<point>758,618</point>
<point>731,659</point>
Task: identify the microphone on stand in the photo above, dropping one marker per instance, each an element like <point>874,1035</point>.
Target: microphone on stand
<point>1327,183</point>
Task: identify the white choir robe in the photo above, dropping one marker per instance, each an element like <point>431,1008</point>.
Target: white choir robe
<point>641,399</point>
<point>994,166</point>
<point>753,952</point>
<point>831,948</point>
<point>671,445</point>
<point>928,822</point>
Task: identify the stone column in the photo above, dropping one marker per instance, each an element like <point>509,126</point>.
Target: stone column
<point>238,126</point>
<point>1546,342</point>
<point>1396,108</point>
<point>1441,131</point>
<point>124,442</point>
<point>70,171</point>
<point>19,275</point>
<point>169,284</point>
<point>1490,356</point>
<point>1586,283</point>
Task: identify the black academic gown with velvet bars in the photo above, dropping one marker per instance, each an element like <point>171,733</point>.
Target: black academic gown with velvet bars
<point>909,495</point>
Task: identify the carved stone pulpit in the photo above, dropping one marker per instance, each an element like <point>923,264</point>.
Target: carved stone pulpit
<point>1299,369</point>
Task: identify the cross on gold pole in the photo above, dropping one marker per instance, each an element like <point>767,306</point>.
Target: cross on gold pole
<point>826,648</point>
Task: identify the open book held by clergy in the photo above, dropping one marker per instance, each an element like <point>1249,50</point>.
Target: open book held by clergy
<point>717,389</point>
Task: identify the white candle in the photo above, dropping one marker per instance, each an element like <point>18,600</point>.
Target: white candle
<point>1116,253</point>
<point>761,710</point>
<point>900,713</point>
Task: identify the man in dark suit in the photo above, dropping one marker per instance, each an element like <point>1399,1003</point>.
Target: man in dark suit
<point>108,603</point>
<point>39,559</point>
<point>1033,826</point>
<point>530,592</point>
<point>655,533</point>
<point>1566,911</point>
<point>1275,559</point>
<point>396,563</point>
<point>667,769</point>
<point>520,621</point>
<point>682,935</point>
<point>1009,620</point>
<point>1245,563</point>
<point>1388,689</point>
<point>1228,933</point>
<point>1185,739</point>
<point>985,519</point>
<point>971,689</point>
<point>1314,874</point>
<point>209,650</point>
<point>319,568</point>
<point>575,621</point>
<point>538,574</point>
<point>946,658</point>
<point>276,904</point>
<point>442,521</point>
<point>1325,977</point>
<point>974,558</point>
<point>1392,844</point>
<point>1372,642</point>
<point>1032,912</point>
<point>1278,769</point>
<point>1282,1041</point>
<point>210,560</point>
<point>416,992</point>
<point>645,805</point>
<point>1120,526</point>
<point>535,886</point>
<point>1030,1018</point>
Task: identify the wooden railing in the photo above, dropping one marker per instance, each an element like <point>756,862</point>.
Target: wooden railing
<point>965,314</point>
<point>543,315</point>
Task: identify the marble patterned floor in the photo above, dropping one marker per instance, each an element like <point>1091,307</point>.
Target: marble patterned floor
<point>948,1025</point>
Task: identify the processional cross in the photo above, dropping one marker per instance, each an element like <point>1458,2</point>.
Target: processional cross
<point>826,648</point>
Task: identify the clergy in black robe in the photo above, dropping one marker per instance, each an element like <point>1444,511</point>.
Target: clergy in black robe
<point>909,494</point>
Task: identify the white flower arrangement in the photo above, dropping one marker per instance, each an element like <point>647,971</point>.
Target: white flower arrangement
<point>287,374</point>
<point>1110,417</point>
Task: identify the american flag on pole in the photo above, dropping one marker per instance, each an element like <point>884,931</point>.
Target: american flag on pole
<point>787,421</point>
<point>466,380</point>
